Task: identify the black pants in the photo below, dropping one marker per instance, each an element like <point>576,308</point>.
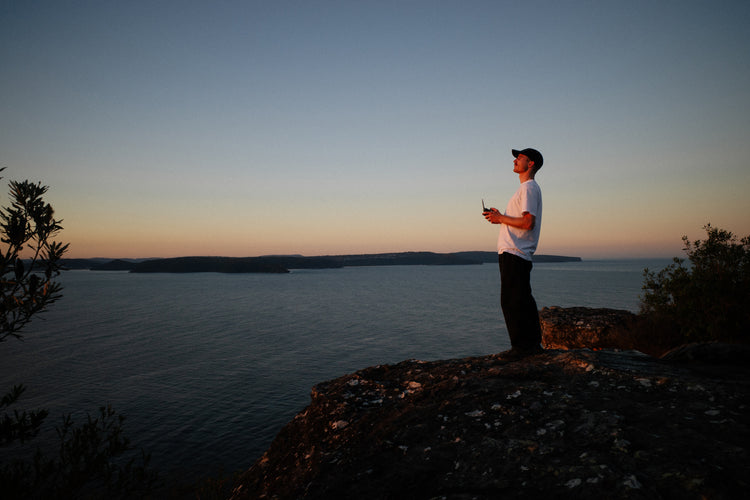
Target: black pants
<point>518,305</point>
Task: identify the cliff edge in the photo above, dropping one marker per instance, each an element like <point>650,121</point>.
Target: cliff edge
<point>575,423</point>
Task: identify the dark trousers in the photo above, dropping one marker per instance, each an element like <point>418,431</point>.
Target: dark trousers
<point>518,305</point>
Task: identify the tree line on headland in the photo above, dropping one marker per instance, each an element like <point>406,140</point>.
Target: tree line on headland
<point>284,263</point>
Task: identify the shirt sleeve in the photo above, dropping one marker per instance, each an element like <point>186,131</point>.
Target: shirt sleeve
<point>530,200</point>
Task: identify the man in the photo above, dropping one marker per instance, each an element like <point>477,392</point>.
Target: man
<point>516,244</point>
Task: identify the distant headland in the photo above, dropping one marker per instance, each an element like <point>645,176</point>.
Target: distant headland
<point>285,263</point>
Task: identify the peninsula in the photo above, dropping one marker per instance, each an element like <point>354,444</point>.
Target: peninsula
<point>285,263</point>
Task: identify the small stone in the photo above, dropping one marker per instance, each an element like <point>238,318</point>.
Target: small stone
<point>622,444</point>
<point>573,483</point>
<point>632,482</point>
<point>555,424</point>
<point>339,424</point>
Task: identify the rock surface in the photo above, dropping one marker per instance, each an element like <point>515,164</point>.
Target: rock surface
<point>562,424</point>
<point>583,327</point>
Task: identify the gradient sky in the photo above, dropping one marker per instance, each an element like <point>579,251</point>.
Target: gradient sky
<point>243,128</point>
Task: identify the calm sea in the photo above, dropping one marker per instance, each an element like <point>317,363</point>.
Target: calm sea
<point>208,367</point>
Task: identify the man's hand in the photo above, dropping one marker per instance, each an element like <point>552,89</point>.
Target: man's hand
<point>492,215</point>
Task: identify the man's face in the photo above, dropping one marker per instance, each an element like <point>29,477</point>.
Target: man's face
<point>521,164</point>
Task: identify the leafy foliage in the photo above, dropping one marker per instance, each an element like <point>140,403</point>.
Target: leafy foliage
<point>20,426</point>
<point>708,299</point>
<point>27,288</point>
<point>90,463</point>
<point>92,458</point>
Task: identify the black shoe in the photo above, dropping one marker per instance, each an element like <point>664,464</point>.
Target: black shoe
<point>537,349</point>
<point>512,354</point>
<point>518,353</point>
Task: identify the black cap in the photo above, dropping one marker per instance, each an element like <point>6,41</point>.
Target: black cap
<point>531,154</point>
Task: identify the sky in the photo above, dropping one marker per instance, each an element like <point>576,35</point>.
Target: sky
<point>244,128</point>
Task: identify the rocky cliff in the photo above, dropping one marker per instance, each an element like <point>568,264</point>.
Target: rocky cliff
<point>577,423</point>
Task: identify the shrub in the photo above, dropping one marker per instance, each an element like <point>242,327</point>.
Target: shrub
<point>95,460</point>
<point>27,288</point>
<point>709,298</point>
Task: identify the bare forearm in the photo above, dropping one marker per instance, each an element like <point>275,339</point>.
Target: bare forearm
<point>526,221</point>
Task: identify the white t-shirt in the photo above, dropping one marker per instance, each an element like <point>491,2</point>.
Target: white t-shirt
<point>520,242</point>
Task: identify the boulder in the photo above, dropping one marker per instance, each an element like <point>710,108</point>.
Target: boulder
<point>583,327</point>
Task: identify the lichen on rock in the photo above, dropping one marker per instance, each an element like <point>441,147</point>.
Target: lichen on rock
<point>576,423</point>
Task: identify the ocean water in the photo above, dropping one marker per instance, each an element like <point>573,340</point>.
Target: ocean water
<point>208,367</point>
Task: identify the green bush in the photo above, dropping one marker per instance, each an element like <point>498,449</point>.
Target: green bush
<point>27,286</point>
<point>94,459</point>
<point>707,299</point>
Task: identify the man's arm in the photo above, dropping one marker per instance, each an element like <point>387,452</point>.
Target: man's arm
<point>527,221</point>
